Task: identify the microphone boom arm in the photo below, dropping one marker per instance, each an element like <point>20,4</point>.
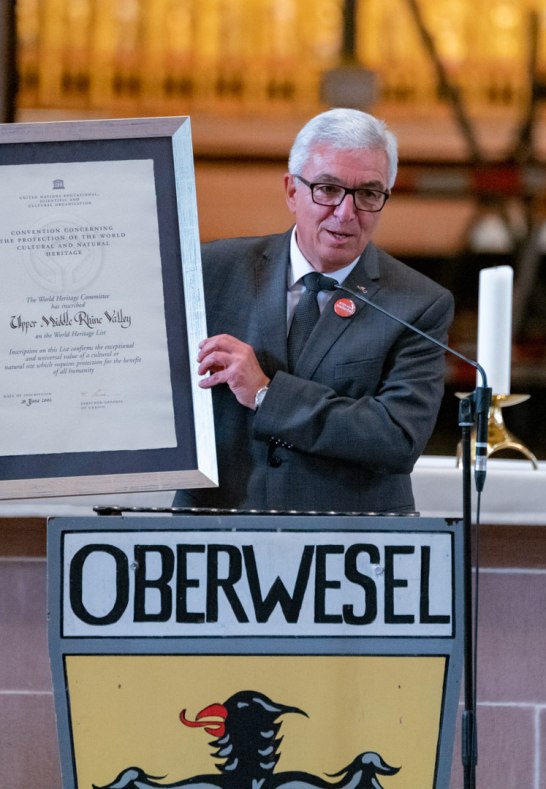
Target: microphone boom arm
<point>479,401</point>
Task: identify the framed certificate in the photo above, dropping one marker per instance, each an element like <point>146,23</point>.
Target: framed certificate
<point>101,310</point>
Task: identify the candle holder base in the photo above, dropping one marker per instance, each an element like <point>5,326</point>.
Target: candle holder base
<point>499,438</point>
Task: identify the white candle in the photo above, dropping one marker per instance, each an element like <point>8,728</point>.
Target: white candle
<point>495,327</point>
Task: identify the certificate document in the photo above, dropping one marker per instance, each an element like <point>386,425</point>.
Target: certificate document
<point>83,341</point>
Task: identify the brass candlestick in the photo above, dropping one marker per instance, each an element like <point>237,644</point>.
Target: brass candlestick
<point>498,436</point>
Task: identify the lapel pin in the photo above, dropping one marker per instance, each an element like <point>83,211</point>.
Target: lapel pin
<point>361,288</point>
<point>345,308</point>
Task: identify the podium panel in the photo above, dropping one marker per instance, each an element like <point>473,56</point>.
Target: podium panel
<point>184,650</point>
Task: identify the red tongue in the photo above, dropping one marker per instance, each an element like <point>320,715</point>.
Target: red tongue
<point>216,728</point>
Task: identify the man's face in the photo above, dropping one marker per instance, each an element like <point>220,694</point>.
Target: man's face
<point>332,237</point>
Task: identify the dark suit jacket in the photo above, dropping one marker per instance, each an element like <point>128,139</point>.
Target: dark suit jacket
<point>343,432</point>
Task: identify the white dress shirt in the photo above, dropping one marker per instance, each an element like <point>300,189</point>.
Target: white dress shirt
<point>299,267</point>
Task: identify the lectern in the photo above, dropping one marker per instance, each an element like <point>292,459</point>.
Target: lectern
<point>257,650</point>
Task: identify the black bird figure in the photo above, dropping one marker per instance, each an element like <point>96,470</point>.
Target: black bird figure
<point>246,728</point>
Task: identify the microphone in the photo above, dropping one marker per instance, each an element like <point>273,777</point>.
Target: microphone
<point>481,396</point>
<point>327,283</point>
<point>482,405</point>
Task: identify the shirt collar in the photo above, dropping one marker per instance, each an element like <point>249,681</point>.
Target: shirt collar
<point>299,265</point>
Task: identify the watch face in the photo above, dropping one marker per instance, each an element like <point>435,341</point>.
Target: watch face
<point>260,394</point>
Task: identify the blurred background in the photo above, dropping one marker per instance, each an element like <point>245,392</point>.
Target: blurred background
<point>461,82</point>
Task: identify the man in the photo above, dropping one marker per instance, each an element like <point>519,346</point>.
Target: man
<point>341,426</point>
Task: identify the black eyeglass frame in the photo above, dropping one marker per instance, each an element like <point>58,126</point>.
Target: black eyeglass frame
<point>346,191</point>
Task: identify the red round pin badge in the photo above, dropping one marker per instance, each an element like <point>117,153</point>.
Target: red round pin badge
<point>344,308</point>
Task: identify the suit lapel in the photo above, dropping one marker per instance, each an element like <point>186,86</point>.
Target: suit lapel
<point>331,326</point>
<point>271,277</point>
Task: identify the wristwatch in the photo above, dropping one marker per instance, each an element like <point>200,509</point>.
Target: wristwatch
<point>259,396</point>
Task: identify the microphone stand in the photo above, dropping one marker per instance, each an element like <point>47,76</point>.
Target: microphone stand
<point>474,408</point>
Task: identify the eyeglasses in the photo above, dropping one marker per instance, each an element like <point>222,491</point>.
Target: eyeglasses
<point>333,195</point>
